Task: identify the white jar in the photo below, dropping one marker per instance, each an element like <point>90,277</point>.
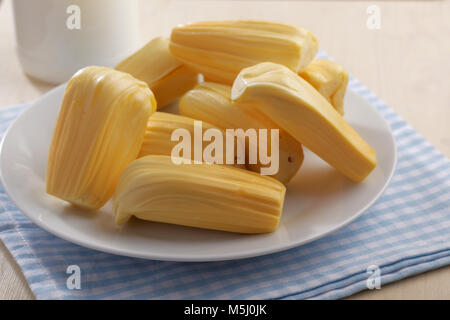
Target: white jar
<point>55,38</point>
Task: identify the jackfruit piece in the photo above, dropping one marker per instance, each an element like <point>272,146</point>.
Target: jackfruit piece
<point>99,130</point>
<point>302,111</point>
<point>220,49</point>
<point>158,138</point>
<point>330,79</point>
<point>206,196</point>
<point>167,77</point>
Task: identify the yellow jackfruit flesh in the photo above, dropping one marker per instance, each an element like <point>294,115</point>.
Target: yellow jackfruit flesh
<point>302,111</point>
<point>211,102</point>
<point>167,77</point>
<point>220,49</point>
<point>162,125</point>
<point>158,135</point>
<point>206,196</point>
<point>99,130</point>
<point>330,79</point>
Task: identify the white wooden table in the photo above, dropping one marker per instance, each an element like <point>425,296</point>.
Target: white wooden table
<point>405,62</point>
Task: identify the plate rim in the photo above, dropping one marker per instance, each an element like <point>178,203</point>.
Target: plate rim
<point>187,258</point>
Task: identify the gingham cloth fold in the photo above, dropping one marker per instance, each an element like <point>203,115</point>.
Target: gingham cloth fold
<point>407,231</point>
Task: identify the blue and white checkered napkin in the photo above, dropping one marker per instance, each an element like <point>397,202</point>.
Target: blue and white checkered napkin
<point>407,231</point>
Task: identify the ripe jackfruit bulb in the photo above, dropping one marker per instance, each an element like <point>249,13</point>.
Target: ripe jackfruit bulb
<point>303,112</point>
<point>330,79</point>
<point>206,196</point>
<point>158,137</point>
<point>211,102</point>
<point>99,130</point>
<point>167,77</point>
<point>220,49</point>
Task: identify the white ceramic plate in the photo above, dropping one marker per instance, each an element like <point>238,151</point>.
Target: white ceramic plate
<point>319,200</point>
